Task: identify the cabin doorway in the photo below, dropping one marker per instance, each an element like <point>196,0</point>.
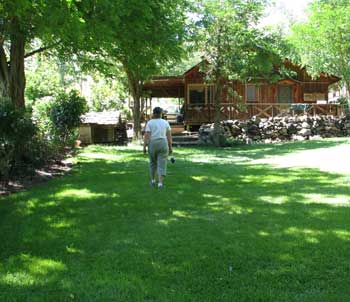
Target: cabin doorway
<point>285,94</point>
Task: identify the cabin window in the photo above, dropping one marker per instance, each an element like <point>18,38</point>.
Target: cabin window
<point>199,94</point>
<point>251,93</point>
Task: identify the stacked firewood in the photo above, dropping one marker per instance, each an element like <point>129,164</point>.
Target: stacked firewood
<point>278,129</point>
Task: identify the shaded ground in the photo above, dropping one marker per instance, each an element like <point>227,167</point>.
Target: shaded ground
<point>228,227</point>
<point>38,176</point>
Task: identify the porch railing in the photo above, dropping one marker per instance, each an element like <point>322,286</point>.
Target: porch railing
<point>198,114</point>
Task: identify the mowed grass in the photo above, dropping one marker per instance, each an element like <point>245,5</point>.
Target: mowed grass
<point>230,225</point>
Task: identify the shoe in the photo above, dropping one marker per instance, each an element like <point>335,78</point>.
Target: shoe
<point>160,186</point>
<point>152,183</point>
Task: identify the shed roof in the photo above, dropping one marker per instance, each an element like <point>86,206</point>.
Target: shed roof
<point>101,118</point>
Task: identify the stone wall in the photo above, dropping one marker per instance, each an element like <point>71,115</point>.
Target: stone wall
<point>278,129</point>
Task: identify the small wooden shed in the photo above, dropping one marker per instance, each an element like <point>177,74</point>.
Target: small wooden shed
<point>102,127</point>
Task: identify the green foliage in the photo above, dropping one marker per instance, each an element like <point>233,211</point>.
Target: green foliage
<point>53,22</point>
<point>41,115</point>
<point>142,51</point>
<point>108,93</point>
<point>42,78</point>
<point>231,42</point>
<point>323,42</point>
<point>146,38</point>
<point>344,101</point>
<point>65,114</point>
<point>16,133</point>
<point>56,119</point>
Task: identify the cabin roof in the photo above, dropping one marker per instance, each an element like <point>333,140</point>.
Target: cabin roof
<point>166,86</point>
<point>194,67</point>
<point>101,118</point>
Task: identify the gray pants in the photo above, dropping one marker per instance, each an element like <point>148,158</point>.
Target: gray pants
<point>158,153</point>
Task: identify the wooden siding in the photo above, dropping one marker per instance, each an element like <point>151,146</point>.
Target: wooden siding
<point>267,99</point>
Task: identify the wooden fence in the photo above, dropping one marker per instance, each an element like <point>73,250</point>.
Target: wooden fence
<point>196,115</point>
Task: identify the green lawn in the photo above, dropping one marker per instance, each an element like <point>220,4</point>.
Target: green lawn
<point>230,225</point>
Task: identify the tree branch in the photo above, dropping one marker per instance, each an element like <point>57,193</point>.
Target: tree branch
<point>41,49</point>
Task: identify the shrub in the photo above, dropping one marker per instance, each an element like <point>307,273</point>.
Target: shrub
<point>29,141</point>
<point>16,133</point>
<point>65,115</point>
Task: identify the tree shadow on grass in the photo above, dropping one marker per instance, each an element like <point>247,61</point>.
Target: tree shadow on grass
<point>218,232</point>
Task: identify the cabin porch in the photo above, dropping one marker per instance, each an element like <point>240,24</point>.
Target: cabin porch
<point>197,115</point>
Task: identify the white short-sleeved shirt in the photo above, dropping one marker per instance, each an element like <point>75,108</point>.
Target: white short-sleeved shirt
<point>158,128</point>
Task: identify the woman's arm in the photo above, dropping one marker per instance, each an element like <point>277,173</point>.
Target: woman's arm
<point>170,141</point>
<point>146,139</point>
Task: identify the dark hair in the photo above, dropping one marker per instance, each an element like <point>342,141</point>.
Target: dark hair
<point>157,112</point>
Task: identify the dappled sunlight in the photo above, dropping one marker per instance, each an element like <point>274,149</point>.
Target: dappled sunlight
<point>337,200</point>
<point>61,224</point>
<point>212,159</point>
<point>227,205</point>
<point>82,194</point>
<point>27,270</point>
<point>207,179</point>
<point>342,234</point>
<point>104,156</point>
<point>275,199</point>
<point>310,236</point>
<point>264,234</point>
<point>181,214</point>
<point>97,231</point>
<point>73,250</point>
<point>167,221</point>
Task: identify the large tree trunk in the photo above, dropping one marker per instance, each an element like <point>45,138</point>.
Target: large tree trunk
<point>17,77</point>
<point>136,90</point>
<point>4,75</point>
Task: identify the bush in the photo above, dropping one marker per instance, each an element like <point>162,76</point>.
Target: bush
<point>65,115</point>
<point>16,133</point>
<point>29,141</point>
<point>57,119</point>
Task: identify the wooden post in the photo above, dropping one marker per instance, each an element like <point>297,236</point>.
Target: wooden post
<point>146,108</point>
<point>150,106</point>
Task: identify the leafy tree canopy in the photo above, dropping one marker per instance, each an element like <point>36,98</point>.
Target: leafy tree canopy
<point>323,41</point>
<point>231,40</point>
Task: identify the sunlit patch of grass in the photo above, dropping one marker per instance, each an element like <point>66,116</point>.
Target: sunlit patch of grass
<point>274,200</point>
<point>337,200</point>
<point>79,194</point>
<point>91,156</point>
<point>34,271</point>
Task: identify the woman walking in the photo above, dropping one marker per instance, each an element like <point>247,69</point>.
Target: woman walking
<point>159,141</point>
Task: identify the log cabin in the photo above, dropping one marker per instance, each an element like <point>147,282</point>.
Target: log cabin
<point>293,95</point>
